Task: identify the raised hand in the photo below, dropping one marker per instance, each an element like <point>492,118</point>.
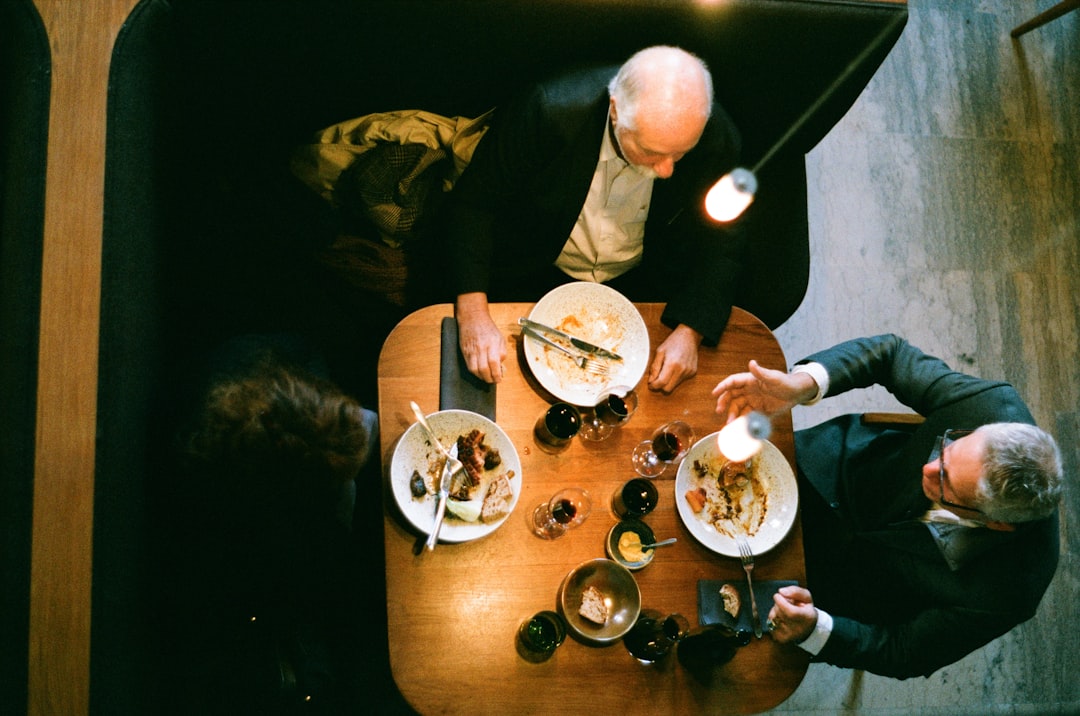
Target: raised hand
<point>762,389</point>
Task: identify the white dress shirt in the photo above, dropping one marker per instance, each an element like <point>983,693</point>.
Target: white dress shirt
<point>607,239</point>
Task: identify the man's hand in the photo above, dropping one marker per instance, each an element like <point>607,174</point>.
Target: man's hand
<point>482,344</point>
<point>675,360</point>
<point>793,615</point>
<point>762,389</point>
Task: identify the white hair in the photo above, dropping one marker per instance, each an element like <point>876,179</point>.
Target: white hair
<point>1022,473</point>
<point>671,70</point>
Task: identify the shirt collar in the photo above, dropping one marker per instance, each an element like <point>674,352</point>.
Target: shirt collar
<point>608,148</point>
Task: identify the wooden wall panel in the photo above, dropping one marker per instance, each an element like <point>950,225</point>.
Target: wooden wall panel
<point>81,35</point>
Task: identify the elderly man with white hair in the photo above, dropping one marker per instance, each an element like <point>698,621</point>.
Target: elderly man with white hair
<point>600,175</point>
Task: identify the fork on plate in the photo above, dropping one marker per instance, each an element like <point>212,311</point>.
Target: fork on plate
<point>747,558</point>
<point>587,364</point>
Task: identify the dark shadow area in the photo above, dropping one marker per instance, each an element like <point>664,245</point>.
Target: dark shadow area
<point>24,122</point>
<point>207,235</point>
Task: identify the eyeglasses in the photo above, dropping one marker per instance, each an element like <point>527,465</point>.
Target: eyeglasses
<point>944,441</point>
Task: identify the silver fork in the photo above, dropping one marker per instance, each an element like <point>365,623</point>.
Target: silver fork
<point>584,362</point>
<point>747,558</point>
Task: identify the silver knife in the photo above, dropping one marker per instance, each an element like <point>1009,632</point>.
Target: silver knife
<point>445,479</point>
<point>576,342</point>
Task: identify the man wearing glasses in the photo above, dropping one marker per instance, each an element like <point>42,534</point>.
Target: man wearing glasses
<point>922,543</point>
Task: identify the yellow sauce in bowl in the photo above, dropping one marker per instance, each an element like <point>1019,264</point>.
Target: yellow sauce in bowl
<point>630,547</point>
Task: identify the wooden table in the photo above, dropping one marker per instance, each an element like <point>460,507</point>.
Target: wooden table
<point>453,613</point>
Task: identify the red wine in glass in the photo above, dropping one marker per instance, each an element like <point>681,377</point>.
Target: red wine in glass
<point>636,497</point>
<point>566,509</point>
<point>563,421</point>
<point>556,427</point>
<point>613,408</point>
<point>563,511</point>
<point>666,446</point>
<point>613,411</point>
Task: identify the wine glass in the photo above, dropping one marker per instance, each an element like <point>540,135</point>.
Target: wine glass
<point>566,509</point>
<point>667,446</point>
<point>612,409</point>
<point>653,635</point>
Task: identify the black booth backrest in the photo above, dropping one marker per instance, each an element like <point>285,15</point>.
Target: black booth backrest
<point>24,120</point>
<point>223,91</point>
<point>289,68</point>
<point>207,98</point>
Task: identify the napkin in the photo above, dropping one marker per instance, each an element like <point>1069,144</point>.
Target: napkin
<point>711,605</point>
<point>458,388</point>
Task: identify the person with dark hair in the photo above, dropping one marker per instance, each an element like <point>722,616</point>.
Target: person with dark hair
<point>278,434</point>
<point>922,543</point>
<point>600,175</point>
<point>262,505</point>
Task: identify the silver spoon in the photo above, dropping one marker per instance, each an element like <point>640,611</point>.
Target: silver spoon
<point>661,543</point>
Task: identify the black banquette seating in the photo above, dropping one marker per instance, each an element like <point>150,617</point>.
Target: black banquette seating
<point>207,234</point>
<point>24,123</point>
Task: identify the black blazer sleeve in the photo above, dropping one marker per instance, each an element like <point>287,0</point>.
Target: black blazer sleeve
<point>699,260</point>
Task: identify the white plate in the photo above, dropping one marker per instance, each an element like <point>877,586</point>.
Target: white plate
<point>415,451</point>
<point>777,481</point>
<point>598,314</point>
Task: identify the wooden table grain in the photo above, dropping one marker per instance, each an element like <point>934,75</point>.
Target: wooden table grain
<point>453,613</point>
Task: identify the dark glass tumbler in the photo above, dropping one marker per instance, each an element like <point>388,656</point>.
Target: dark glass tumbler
<point>556,428</point>
<point>636,498</point>
<point>540,635</point>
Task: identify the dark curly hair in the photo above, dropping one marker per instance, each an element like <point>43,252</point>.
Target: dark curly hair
<point>278,428</point>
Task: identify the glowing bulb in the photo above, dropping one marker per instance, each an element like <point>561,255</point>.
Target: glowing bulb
<point>741,439</point>
<point>730,196</point>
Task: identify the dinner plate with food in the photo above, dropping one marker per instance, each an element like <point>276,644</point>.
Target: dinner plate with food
<point>598,315</point>
<point>718,498</point>
<point>480,499</point>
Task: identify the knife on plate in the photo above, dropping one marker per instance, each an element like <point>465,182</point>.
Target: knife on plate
<point>446,477</point>
<point>574,341</point>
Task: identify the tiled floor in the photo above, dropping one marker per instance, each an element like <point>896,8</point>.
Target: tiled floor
<point>945,207</point>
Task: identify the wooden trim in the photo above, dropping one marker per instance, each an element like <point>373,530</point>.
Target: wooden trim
<point>892,419</point>
<point>81,36</point>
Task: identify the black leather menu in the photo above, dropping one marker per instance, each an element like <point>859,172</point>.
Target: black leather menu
<point>458,388</point>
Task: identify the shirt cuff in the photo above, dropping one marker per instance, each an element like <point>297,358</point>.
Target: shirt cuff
<point>820,376</point>
<point>822,630</point>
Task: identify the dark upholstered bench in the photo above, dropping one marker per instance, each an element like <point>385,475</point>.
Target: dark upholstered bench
<point>24,122</point>
<point>207,234</point>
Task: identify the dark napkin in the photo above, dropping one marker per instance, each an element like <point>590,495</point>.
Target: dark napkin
<point>458,388</point>
<point>711,605</point>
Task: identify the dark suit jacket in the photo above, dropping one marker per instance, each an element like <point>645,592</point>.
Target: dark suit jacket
<point>513,208</point>
<point>906,599</point>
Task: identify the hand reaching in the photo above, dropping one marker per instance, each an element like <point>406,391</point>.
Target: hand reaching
<point>762,389</point>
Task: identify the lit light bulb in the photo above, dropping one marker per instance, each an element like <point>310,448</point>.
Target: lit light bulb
<point>730,196</point>
<point>740,439</point>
